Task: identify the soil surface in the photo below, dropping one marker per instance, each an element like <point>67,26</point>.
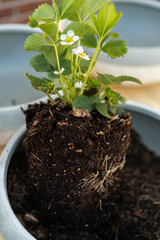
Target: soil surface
<point>132,214</point>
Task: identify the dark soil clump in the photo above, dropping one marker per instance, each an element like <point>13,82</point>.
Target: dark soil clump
<point>134,209</point>
<point>74,162</point>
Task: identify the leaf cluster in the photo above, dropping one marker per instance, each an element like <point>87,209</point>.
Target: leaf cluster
<point>92,22</point>
<point>105,100</point>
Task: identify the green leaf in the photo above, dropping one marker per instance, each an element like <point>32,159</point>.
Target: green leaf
<point>106,79</point>
<point>64,52</point>
<point>64,63</point>
<point>112,97</point>
<point>53,75</point>
<point>113,35</point>
<point>102,109</point>
<point>122,99</point>
<point>74,17</point>
<point>115,48</point>
<point>118,80</point>
<point>40,64</point>
<point>38,43</point>
<point>83,102</point>
<point>44,13</point>
<point>93,83</point>
<point>113,110</point>
<point>50,29</point>
<point>33,23</point>
<point>109,79</point>
<point>84,65</point>
<point>56,9</point>
<point>69,7</point>
<point>95,24</point>
<point>107,19</point>
<point>90,27</point>
<point>92,5</point>
<point>89,40</point>
<point>38,83</point>
<point>35,81</point>
<point>94,98</point>
<point>77,27</point>
<point>50,56</point>
<point>116,110</point>
<point>110,35</point>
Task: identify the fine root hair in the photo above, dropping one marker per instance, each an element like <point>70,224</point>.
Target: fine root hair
<point>101,181</point>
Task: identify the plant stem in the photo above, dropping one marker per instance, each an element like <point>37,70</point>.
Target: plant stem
<point>100,91</point>
<point>72,70</point>
<point>60,96</point>
<point>99,52</point>
<point>50,98</point>
<point>57,81</point>
<point>59,69</point>
<point>90,66</point>
<point>77,65</point>
<point>72,59</point>
<point>66,86</point>
<point>57,31</point>
<point>79,42</point>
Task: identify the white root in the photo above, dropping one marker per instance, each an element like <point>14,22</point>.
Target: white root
<point>95,181</point>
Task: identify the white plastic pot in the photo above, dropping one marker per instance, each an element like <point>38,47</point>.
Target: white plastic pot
<point>146,122</point>
<point>15,89</point>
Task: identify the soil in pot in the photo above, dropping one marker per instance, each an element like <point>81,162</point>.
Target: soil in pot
<point>133,212</point>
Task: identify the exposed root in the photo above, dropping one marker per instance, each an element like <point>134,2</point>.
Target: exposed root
<point>36,157</point>
<point>50,112</point>
<point>101,181</point>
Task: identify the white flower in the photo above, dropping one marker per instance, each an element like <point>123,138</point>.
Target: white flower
<point>69,38</point>
<point>102,101</point>
<point>80,52</point>
<point>78,84</point>
<point>57,73</point>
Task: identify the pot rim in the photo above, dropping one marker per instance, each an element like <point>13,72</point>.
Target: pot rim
<point>19,27</point>
<point>7,155</point>
<point>142,108</point>
<point>149,3</point>
<point>23,105</point>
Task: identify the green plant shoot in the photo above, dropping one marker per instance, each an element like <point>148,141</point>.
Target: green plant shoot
<point>63,58</point>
